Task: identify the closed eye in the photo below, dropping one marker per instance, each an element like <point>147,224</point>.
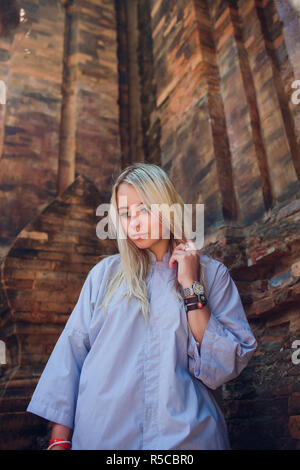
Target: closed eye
<point>125,214</point>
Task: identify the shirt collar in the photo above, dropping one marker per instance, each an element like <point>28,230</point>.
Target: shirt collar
<point>163,263</point>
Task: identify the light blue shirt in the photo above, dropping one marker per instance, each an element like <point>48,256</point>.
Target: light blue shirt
<point>122,384</point>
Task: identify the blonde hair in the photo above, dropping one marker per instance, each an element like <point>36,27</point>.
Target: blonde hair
<point>153,187</point>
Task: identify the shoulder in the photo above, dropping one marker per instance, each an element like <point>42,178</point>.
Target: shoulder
<point>211,264</point>
<point>99,275</point>
<point>107,265</point>
<point>214,270</point>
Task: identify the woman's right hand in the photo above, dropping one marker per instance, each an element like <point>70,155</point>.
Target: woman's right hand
<point>58,448</point>
<point>60,432</point>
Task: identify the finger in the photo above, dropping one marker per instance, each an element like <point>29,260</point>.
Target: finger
<point>192,247</point>
<point>183,247</point>
<point>179,247</point>
<point>179,250</point>
<point>176,256</point>
<point>189,245</point>
<point>174,259</point>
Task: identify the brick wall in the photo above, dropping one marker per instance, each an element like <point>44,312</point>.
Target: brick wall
<point>229,138</point>
<point>41,278</point>
<point>203,88</point>
<point>61,117</point>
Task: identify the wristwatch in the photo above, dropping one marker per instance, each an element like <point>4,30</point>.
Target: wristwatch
<point>197,290</point>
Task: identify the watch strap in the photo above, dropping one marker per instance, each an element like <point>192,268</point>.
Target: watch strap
<point>195,302</point>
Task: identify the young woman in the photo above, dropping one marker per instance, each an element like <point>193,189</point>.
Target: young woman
<point>135,364</point>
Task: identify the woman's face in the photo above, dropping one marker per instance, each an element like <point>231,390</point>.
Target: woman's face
<point>140,225</point>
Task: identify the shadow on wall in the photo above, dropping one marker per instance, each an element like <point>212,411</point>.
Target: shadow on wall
<point>9,16</point>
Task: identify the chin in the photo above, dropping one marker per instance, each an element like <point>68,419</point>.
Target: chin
<point>142,242</point>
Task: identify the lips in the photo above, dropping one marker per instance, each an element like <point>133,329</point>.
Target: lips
<point>139,235</point>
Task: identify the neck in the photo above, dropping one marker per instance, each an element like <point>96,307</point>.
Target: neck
<point>160,248</point>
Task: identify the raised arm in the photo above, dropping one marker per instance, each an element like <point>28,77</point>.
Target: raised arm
<point>227,343</point>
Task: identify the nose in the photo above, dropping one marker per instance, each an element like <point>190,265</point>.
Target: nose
<point>134,223</point>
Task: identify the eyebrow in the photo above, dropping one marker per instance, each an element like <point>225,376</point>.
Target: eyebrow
<point>126,206</point>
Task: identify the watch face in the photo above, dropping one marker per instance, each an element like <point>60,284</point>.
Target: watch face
<point>198,288</point>
<point>188,291</point>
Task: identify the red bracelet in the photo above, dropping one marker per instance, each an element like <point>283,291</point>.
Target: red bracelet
<point>60,442</point>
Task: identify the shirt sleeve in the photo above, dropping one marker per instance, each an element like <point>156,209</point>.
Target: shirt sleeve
<point>228,342</point>
<point>55,395</point>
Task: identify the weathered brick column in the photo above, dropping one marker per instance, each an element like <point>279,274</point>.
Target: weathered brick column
<point>40,281</point>
<point>229,138</point>
<point>61,118</point>
<point>261,406</point>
